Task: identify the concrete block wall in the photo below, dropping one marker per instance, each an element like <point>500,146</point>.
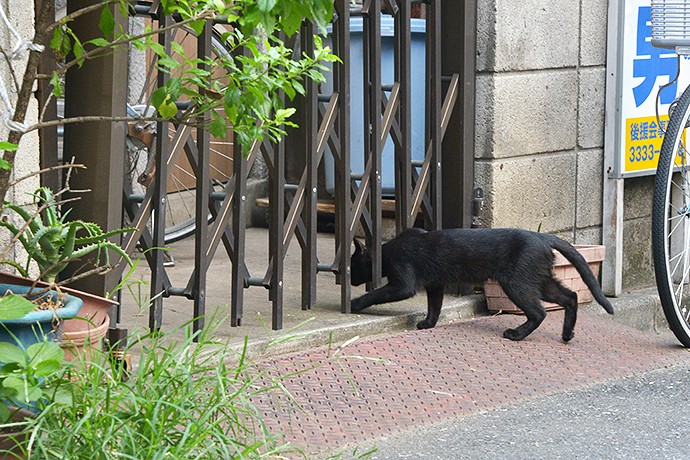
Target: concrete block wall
<point>541,85</point>
<point>540,115</point>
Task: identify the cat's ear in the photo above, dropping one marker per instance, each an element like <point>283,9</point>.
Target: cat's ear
<point>359,246</point>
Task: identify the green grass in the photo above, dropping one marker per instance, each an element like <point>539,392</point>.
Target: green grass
<point>182,401</point>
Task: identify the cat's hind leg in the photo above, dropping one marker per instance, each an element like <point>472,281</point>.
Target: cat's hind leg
<point>527,300</point>
<point>554,291</point>
<point>434,299</point>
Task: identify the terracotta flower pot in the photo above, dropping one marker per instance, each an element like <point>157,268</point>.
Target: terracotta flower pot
<point>88,329</point>
<point>11,440</point>
<point>498,301</point>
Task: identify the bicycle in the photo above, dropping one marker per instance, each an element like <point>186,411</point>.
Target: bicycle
<point>671,203</point>
<point>140,144</point>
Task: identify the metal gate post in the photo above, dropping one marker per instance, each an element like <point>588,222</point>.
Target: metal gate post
<point>239,224</point>
<point>309,130</point>
<point>343,204</point>
<point>433,127</point>
<point>403,148</point>
<point>158,203</point>
<point>372,127</point>
<point>97,145</point>
<point>202,195</point>
<point>459,25</point>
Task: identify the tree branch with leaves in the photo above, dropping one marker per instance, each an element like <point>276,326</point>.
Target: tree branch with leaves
<point>243,90</point>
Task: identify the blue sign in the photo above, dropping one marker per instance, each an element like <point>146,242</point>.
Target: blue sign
<point>650,62</point>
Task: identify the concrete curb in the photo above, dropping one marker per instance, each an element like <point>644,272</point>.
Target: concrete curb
<point>299,339</point>
<point>638,309</point>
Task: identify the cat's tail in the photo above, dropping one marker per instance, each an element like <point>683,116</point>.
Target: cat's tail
<point>582,267</point>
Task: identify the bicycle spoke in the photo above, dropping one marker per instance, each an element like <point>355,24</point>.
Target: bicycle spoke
<point>181,181</point>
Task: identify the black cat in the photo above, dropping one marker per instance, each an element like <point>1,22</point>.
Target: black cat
<point>519,260</point>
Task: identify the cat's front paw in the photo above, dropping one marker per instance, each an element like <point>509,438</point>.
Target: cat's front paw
<point>357,305</point>
<point>513,334</point>
<point>425,324</point>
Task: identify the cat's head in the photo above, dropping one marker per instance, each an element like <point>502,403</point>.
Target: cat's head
<point>360,264</point>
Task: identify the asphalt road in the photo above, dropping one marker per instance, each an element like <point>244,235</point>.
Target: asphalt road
<point>641,417</point>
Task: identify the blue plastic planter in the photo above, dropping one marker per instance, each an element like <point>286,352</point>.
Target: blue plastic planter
<point>417,102</point>
<point>36,326</point>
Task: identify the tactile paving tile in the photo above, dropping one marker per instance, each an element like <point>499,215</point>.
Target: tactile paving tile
<point>392,383</point>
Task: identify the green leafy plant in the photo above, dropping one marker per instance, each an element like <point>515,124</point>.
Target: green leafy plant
<point>52,241</point>
<point>247,86</point>
<point>184,400</point>
<point>30,378</point>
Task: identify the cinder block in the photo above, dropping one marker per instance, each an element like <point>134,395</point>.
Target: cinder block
<point>590,175</point>
<point>526,113</point>
<point>638,269</point>
<point>594,24</point>
<point>486,35</point>
<point>591,235</point>
<point>532,34</point>
<point>532,193</point>
<point>591,105</point>
<point>638,194</point>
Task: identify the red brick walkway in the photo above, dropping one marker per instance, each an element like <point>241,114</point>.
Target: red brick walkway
<point>422,377</point>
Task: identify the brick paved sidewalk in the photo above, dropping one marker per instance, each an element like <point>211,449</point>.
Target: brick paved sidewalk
<point>416,378</point>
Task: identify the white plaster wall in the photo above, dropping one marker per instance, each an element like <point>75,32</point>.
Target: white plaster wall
<point>21,15</point>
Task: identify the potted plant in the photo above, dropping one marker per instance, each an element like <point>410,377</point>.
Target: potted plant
<point>31,315</point>
<point>498,301</point>
<point>51,241</point>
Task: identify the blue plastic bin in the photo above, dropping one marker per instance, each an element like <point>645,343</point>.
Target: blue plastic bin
<point>418,101</point>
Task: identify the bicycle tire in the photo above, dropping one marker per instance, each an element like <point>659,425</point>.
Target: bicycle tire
<point>671,223</point>
<point>180,208</point>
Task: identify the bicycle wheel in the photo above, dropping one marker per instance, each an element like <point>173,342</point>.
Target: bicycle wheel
<point>181,192</point>
<point>671,223</point>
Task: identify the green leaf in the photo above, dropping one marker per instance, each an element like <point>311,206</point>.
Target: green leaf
<point>47,367</point>
<point>197,26</point>
<point>11,354</point>
<point>98,42</point>
<point>177,48</point>
<point>61,396</point>
<point>298,87</point>
<point>60,42</point>
<point>56,83</point>
<point>217,127</point>
<point>24,393</point>
<point>13,306</point>
<point>167,109</point>
<point>282,114</point>
<point>78,51</point>
<point>158,96</point>
<point>107,22</point>
<point>8,146</point>
<point>266,5</point>
<point>4,412</point>
<point>168,62</point>
<point>45,351</point>
<point>291,23</point>
<point>4,164</point>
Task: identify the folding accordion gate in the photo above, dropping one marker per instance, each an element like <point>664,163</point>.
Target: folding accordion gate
<point>324,123</point>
